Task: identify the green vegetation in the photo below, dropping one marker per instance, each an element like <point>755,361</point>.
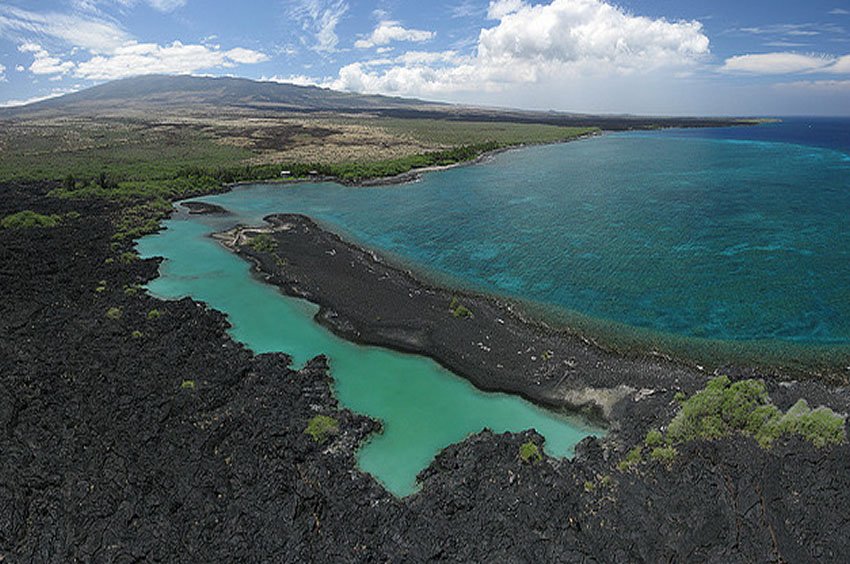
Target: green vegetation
<point>459,310</point>
<point>28,219</point>
<point>530,453</point>
<point>114,313</point>
<point>723,408</point>
<point>154,314</point>
<point>600,482</point>
<point>137,334</point>
<point>145,164</point>
<point>654,438</point>
<point>141,219</point>
<point>77,152</point>
<point>321,427</point>
<point>665,454</point>
<point>355,171</point>
<point>263,243</point>
<point>632,459</point>
<point>187,385</point>
<point>128,257</point>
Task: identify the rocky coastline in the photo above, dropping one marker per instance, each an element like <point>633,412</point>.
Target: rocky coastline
<point>135,429</point>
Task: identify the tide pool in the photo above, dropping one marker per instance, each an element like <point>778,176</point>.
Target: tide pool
<point>423,407</point>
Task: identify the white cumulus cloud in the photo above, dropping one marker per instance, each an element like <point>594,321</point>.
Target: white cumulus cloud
<point>388,31</point>
<point>146,58</point>
<point>90,47</point>
<point>2,73</point>
<point>43,63</point>
<point>532,43</point>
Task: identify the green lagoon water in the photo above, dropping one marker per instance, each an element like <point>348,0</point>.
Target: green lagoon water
<point>423,407</point>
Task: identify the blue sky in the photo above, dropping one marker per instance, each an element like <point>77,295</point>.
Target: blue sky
<point>639,56</point>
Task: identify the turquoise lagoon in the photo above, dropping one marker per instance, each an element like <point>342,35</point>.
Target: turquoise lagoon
<point>422,406</point>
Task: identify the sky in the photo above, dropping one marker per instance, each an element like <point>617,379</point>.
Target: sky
<point>662,57</point>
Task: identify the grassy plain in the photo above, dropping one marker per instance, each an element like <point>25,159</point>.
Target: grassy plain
<point>134,149</point>
<point>147,162</point>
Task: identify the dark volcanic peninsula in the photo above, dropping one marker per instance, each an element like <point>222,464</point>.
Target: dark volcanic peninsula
<point>491,342</point>
<point>132,436</point>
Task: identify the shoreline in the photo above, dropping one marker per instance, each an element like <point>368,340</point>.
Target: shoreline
<point>112,454</point>
<point>412,175</point>
<point>497,347</point>
<point>500,347</point>
<point>829,363</point>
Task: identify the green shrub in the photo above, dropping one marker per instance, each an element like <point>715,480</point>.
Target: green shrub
<point>113,313</point>
<point>154,314</point>
<point>187,385</point>
<point>28,219</point>
<point>459,310</point>
<point>654,438</point>
<point>131,290</point>
<point>632,458</point>
<point>722,408</point>
<point>530,452</point>
<point>137,334</point>
<point>321,427</point>
<point>263,243</point>
<point>665,454</point>
<point>128,257</point>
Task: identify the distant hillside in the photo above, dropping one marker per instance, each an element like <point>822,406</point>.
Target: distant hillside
<point>163,91</point>
<point>152,95</point>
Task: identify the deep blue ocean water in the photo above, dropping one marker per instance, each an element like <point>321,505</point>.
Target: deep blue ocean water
<point>716,243</point>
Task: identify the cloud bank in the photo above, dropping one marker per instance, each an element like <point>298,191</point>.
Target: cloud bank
<point>786,63</point>
<point>533,43</point>
<point>102,50</point>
